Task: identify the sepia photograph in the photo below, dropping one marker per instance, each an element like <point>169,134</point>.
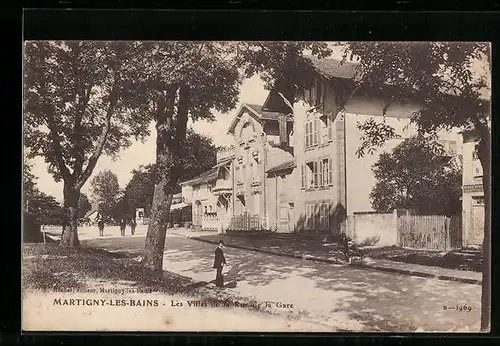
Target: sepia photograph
<point>256,186</point>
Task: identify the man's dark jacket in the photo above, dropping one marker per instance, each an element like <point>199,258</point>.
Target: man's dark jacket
<point>219,258</point>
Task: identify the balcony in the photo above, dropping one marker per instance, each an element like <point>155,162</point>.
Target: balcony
<point>222,186</point>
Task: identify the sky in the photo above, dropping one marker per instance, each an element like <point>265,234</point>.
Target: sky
<point>252,91</point>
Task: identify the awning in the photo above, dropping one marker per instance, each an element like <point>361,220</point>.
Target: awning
<point>223,162</point>
<point>282,167</point>
<point>179,206</point>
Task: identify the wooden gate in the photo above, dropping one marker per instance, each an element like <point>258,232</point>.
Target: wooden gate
<point>476,233</point>
<point>431,232</point>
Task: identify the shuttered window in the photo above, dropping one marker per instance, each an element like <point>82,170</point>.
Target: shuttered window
<point>324,216</point>
<point>330,171</point>
<point>309,216</point>
<point>303,176</point>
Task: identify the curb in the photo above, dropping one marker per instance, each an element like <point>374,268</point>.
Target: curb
<point>358,265</point>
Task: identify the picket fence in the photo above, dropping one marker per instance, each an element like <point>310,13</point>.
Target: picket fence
<point>431,232</point>
<point>245,222</point>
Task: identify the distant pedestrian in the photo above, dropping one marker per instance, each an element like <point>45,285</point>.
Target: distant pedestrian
<point>123,224</point>
<point>100,225</point>
<point>219,263</point>
<point>132,226</point>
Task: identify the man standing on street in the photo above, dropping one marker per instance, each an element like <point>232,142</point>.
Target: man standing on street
<point>132,226</point>
<point>123,224</point>
<point>100,225</point>
<point>219,262</point>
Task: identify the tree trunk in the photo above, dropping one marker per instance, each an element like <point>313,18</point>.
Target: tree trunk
<point>484,152</point>
<point>157,228</point>
<point>170,136</point>
<point>69,237</point>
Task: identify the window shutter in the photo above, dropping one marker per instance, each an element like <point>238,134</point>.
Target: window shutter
<point>303,176</point>
<point>330,171</point>
<point>315,173</point>
<point>305,134</point>
<point>315,132</point>
<point>320,173</point>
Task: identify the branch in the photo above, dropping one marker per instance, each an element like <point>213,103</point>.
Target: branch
<point>77,128</point>
<point>54,135</point>
<point>102,140</point>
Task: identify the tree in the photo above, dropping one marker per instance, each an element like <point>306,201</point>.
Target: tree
<point>200,155</point>
<point>46,209</point>
<point>417,175</point>
<point>190,79</point>
<point>84,205</point>
<point>140,189</point>
<point>181,80</point>
<point>106,193</point>
<point>452,83</point>
<point>282,66</point>
<point>79,104</point>
<point>29,185</point>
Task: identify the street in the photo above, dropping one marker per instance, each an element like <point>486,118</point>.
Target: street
<point>332,296</point>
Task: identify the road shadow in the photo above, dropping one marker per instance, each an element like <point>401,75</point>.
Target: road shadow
<point>360,299</point>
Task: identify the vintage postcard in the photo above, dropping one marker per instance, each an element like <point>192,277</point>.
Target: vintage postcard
<point>256,186</point>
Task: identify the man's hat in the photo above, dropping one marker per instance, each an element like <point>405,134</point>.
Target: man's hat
<point>221,242</point>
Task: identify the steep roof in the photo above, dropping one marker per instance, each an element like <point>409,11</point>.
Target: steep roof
<point>332,68</point>
<point>209,175</point>
<point>257,113</point>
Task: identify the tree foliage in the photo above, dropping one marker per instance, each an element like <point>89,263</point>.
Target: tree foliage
<point>29,184</point>
<point>80,102</point>
<point>452,83</point>
<point>84,205</point>
<point>418,176</point>
<point>200,156</point>
<point>281,65</point>
<point>181,80</point>
<point>106,194</point>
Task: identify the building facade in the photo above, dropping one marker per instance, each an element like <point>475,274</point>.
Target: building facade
<point>472,193</point>
<point>295,167</point>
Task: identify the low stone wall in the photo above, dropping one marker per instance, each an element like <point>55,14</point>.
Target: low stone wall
<point>373,228</point>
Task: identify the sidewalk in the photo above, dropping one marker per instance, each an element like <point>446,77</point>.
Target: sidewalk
<point>289,245</point>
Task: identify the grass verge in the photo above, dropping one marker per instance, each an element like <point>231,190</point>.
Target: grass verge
<point>49,267</point>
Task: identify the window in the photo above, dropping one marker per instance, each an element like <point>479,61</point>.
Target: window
<point>309,217</point>
<point>312,132</point>
<point>311,169</point>
<point>206,210</point>
<point>324,216</point>
<point>326,172</point>
<point>308,134</point>
<point>317,173</point>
